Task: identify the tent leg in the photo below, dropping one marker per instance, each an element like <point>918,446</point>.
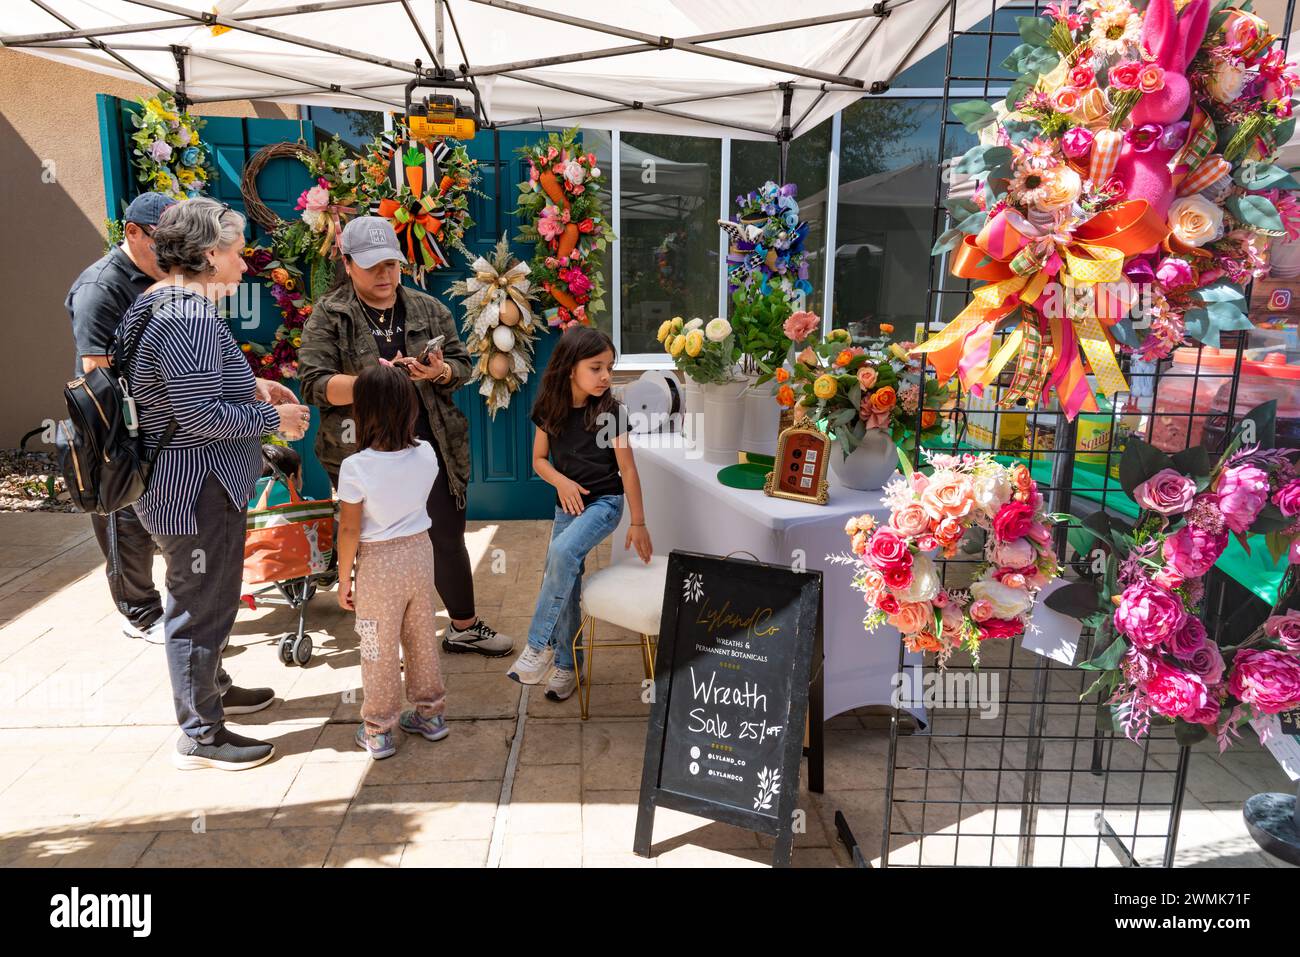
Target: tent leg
<point>783,137</point>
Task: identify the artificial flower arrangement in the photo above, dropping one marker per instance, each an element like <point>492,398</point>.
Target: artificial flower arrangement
<point>966,498</point>
<point>562,207</point>
<point>705,352</point>
<point>169,155</point>
<point>767,244</point>
<point>1131,162</point>
<point>852,389</point>
<point>279,360</point>
<point>499,325</point>
<point>1162,663</point>
<point>429,218</point>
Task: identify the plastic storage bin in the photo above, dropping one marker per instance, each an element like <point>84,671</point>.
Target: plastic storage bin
<point>1185,393</point>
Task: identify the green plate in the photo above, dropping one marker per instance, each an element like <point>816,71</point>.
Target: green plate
<point>749,475</point>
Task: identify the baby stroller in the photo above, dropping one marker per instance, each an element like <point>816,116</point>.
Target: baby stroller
<point>288,548</point>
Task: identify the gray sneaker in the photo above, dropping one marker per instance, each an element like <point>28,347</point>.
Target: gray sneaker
<point>227,751</point>
<point>562,684</point>
<point>479,638</point>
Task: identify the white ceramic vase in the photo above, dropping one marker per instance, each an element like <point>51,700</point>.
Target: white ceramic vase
<point>762,419</point>
<point>1284,259</point>
<point>869,466</point>
<point>722,421</point>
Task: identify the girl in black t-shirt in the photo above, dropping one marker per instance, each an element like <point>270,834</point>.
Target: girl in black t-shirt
<point>581,448</point>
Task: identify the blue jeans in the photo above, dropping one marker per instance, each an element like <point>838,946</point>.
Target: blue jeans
<point>559,603</point>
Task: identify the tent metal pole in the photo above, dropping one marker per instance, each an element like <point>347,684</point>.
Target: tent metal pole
<point>419,31</point>
<point>783,137</point>
<point>451,15</point>
<point>633,104</point>
<point>665,43</point>
<point>438,6</point>
<point>681,99</point>
<point>724,210</point>
<point>182,101</point>
<point>213,19</point>
<point>832,222</point>
<point>29,39</point>
<point>324,87</point>
<point>616,246</point>
<point>105,48</point>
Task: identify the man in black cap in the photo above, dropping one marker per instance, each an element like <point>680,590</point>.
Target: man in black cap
<point>97,301</point>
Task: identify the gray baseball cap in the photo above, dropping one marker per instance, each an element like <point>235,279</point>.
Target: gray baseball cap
<point>145,209</point>
<point>370,240</point>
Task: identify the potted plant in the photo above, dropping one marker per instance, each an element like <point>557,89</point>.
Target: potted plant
<point>706,354</point>
<point>758,321</point>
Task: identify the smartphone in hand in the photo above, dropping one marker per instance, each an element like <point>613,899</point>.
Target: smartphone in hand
<point>435,345</point>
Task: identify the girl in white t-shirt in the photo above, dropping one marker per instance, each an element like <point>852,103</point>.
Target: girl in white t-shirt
<point>383,527</point>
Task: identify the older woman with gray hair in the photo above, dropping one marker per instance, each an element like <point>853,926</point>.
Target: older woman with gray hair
<point>200,407</point>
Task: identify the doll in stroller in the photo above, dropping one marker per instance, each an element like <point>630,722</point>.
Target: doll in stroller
<point>288,546</point>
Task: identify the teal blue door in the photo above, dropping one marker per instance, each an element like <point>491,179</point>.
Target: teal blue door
<point>502,482</point>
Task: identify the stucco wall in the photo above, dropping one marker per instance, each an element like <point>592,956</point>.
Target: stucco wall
<point>52,230</point>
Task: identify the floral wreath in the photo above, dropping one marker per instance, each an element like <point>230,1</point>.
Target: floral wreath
<point>561,205</point>
<point>967,498</point>
<point>767,244</point>
<point>169,155</point>
<point>1136,152</point>
<point>302,260</point>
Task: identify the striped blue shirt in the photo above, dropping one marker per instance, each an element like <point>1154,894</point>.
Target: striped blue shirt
<point>187,365</point>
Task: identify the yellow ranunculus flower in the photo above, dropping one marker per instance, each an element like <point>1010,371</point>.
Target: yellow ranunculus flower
<point>665,327</point>
<point>824,388</point>
<point>678,322</point>
<point>694,343</point>
<point>839,335</point>
<point>676,346</point>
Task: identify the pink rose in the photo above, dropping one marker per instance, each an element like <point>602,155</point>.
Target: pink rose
<point>1077,142</point>
<point>1081,78</point>
<point>1166,492</point>
<point>1015,554</point>
<point>1013,580</point>
<point>887,550</point>
<point>1124,76</point>
<point>920,482</point>
<point>910,520</point>
<point>1173,272</point>
<point>1240,34</point>
<point>1269,680</point>
<point>1148,615</point>
<point>1187,640</point>
<point>1168,578</point>
<point>1000,628</point>
<point>1065,100</point>
<point>1193,551</point>
<point>982,610</point>
<point>800,325</point>
<point>888,603</point>
<point>953,620</point>
<point>1286,630</point>
<point>1207,715</point>
<point>867,376</point>
<point>1014,520</point>
<point>950,497</point>
<point>1207,662</point>
<point>927,543</point>
<point>1243,491</point>
<point>1287,498</point>
<point>1175,693</point>
<point>1151,78</point>
<point>898,577</point>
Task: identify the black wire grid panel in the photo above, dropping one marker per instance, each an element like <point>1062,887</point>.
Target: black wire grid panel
<point>1025,774</point>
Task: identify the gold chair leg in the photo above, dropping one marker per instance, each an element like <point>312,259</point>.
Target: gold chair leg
<point>647,657</point>
<point>584,681</point>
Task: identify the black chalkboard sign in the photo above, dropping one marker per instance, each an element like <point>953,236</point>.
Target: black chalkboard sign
<point>738,644</point>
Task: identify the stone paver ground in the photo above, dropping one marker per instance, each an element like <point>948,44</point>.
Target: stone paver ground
<point>86,725</point>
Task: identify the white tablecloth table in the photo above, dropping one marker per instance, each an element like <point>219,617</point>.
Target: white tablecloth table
<point>687,508</point>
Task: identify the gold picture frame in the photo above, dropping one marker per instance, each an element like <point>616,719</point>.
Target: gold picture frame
<point>802,458</point>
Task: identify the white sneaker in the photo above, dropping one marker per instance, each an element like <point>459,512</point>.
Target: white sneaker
<point>154,634</point>
<point>531,666</point>
<point>562,684</point>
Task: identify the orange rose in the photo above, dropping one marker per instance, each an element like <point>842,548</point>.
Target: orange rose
<point>859,543</point>
<point>844,358</point>
<point>950,497</point>
<point>782,375</point>
<point>280,275</point>
<point>882,400</point>
<point>873,586</point>
<point>306,310</point>
<point>1023,481</point>
<point>928,418</point>
<point>785,396</point>
<point>912,616</point>
<point>925,641</point>
<point>948,532</point>
<point>886,328</point>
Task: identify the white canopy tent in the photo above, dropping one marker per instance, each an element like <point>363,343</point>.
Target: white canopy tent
<point>751,69</point>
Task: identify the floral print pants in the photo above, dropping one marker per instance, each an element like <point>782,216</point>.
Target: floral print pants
<point>395,605</point>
